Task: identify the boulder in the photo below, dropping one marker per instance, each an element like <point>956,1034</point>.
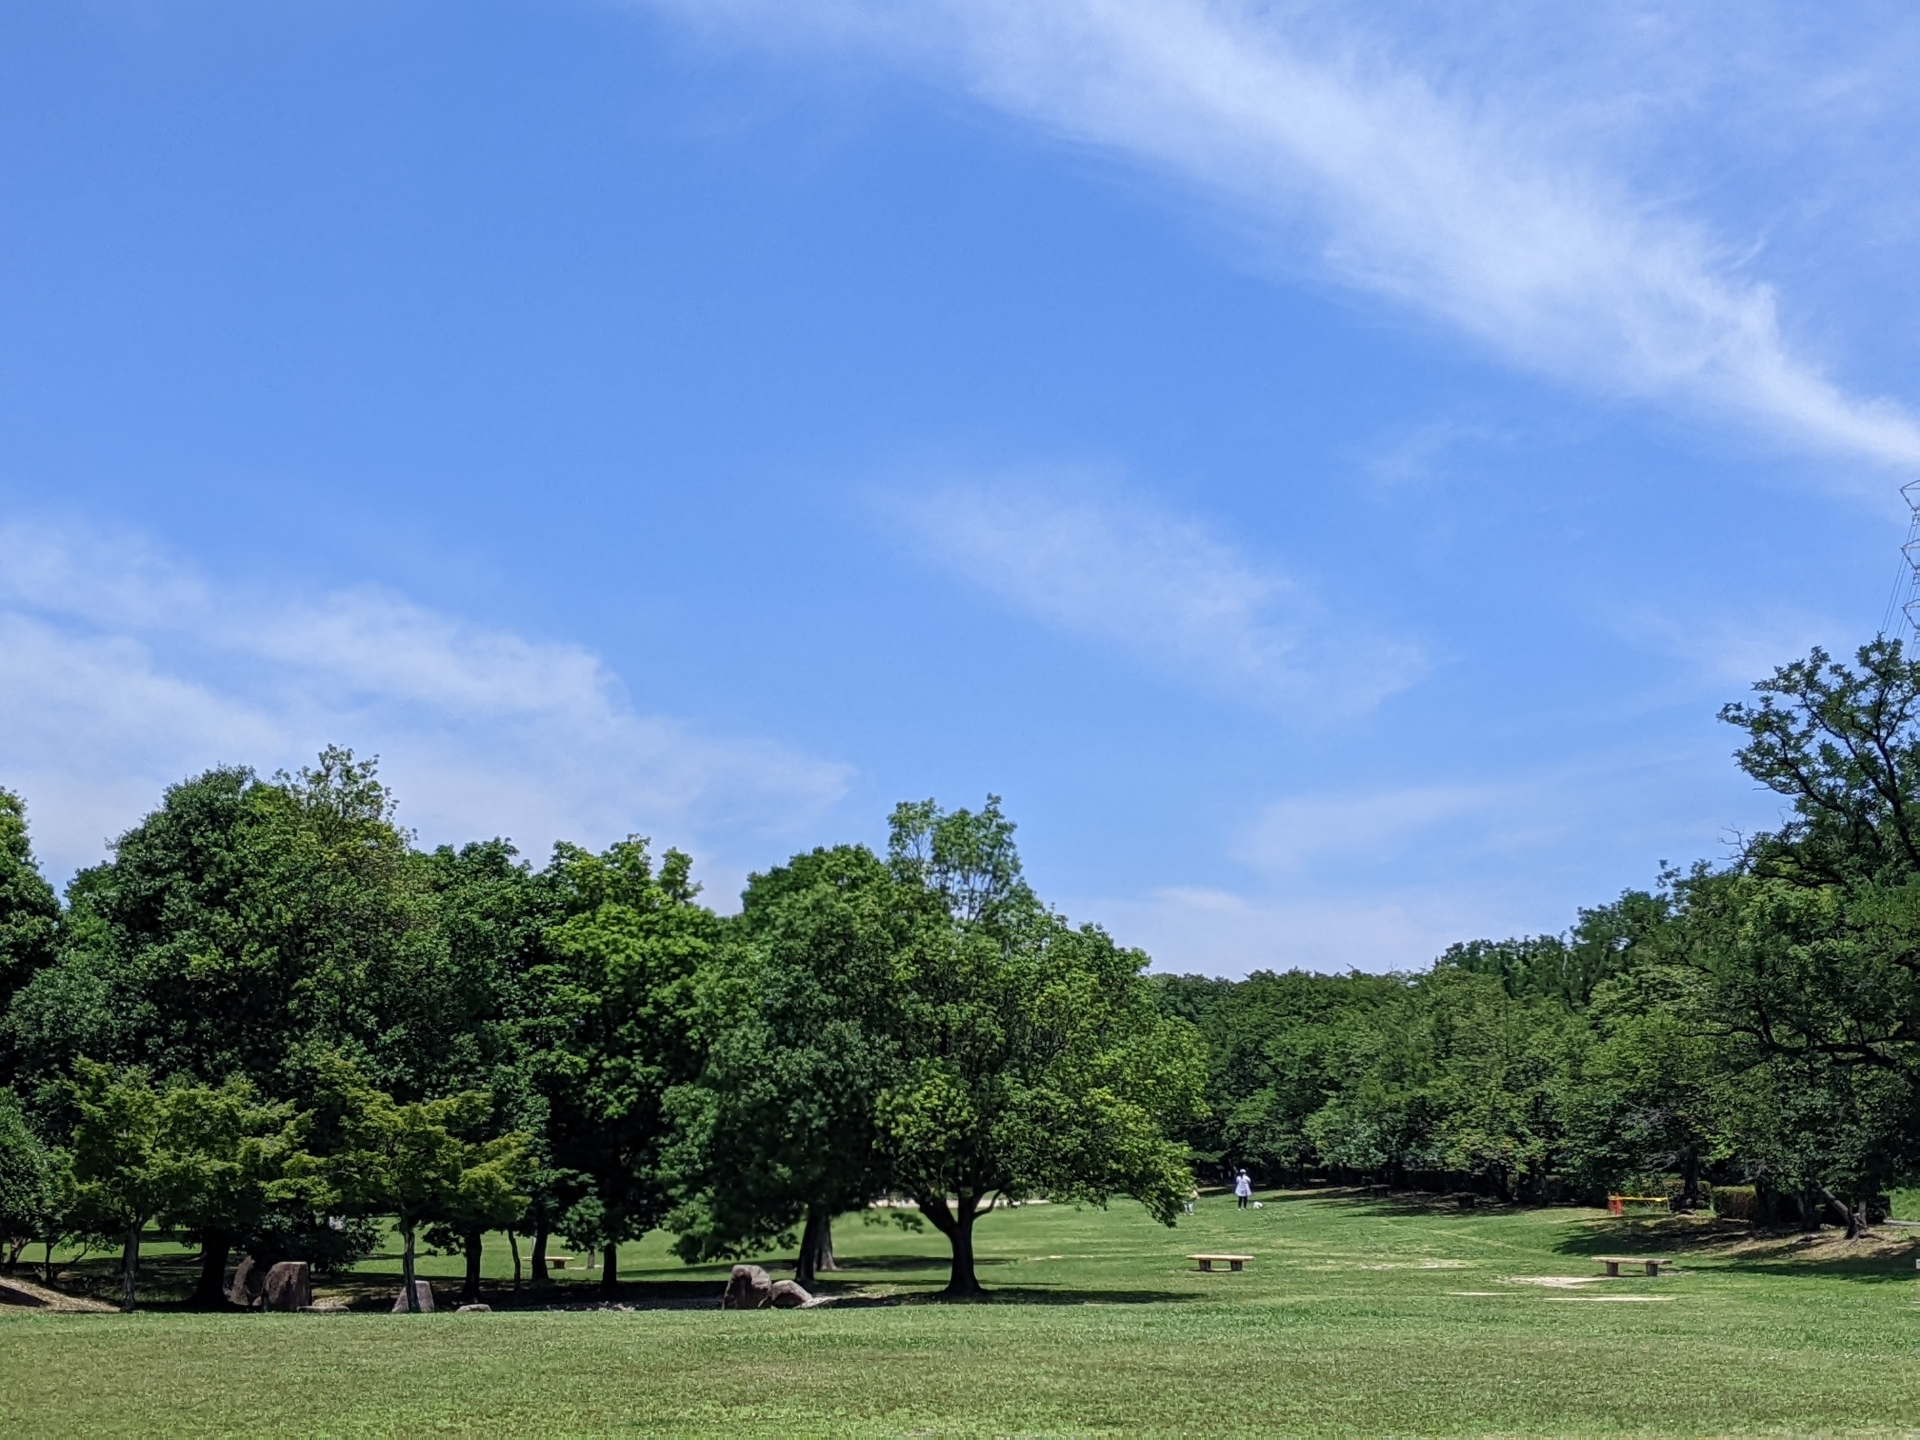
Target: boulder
<point>248,1283</point>
<point>289,1286</point>
<point>422,1290</point>
<point>749,1289</point>
<point>789,1295</point>
<point>474,1310</point>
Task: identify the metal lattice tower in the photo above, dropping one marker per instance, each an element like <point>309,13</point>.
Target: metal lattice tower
<point>1905,600</point>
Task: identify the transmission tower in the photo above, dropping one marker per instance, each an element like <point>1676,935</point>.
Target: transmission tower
<point>1905,600</point>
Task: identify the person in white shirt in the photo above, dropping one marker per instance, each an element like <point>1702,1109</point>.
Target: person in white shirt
<point>1243,1188</point>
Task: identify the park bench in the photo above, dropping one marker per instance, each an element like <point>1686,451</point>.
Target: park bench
<point>1234,1262</point>
<point>558,1262</point>
<point>1614,1262</point>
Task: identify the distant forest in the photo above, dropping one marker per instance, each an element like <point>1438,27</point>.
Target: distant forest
<point>1754,1028</point>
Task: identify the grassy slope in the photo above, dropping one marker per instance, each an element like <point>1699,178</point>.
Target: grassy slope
<point>1350,1322</point>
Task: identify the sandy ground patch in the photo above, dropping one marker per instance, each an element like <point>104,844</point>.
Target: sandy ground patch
<point>24,1294</point>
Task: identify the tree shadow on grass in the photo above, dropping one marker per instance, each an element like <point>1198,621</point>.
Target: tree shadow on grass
<point>940,1263</point>
<point>1735,1247</point>
<point>1015,1295</point>
<point>1401,1204</point>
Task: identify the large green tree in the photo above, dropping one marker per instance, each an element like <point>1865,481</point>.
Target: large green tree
<point>1810,947</point>
<point>243,922</point>
<point>610,1030</point>
<point>1033,1058</point>
<point>799,1017</point>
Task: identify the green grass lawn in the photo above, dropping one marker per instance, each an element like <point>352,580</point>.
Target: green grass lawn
<point>1360,1317</point>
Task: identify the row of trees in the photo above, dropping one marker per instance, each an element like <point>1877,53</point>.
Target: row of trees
<point>1756,1023</point>
<point>269,1019</point>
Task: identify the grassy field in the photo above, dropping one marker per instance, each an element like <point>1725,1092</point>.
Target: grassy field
<point>1360,1317</point>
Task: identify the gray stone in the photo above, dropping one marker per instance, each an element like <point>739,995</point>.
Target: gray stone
<point>749,1289</point>
<point>474,1310</point>
<point>422,1290</point>
<point>249,1282</point>
<point>789,1295</point>
<point>289,1286</point>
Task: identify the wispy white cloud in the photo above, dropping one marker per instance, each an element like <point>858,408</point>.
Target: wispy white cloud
<point>1206,931</point>
<point>1371,829</point>
<point>1160,586</point>
<point>1725,653</point>
<point>1489,207</point>
<point>121,671</point>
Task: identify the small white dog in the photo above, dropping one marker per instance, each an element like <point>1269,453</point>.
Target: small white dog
<point>1259,1204</point>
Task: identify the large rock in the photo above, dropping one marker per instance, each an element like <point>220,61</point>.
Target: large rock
<point>789,1295</point>
<point>249,1282</point>
<point>422,1290</point>
<point>749,1289</point>
<point>289,1286</point>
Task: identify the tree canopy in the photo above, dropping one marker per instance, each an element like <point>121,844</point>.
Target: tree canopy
<point>269,1018</point>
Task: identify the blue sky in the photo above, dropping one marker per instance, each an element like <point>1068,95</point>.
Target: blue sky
<point>1323,465</point>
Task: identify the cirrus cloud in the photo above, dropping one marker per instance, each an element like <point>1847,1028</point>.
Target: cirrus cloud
<point>122,670</point>
<point>1475,195</point>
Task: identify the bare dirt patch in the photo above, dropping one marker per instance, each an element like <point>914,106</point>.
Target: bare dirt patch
<point>25,1295</point>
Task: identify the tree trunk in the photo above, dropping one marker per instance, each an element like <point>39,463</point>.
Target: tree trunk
<point>47,1263</point>
<point>1690,1171</point>
<point>470,1292</point>
<point>513,1244</point>
<point>962,1283</point>
<point>212,1289</point>
<point>129,1267</point>
<point>609,1267</point>
<point>1847,1217</point>
<point>816,1247</point>
<point>957,1226</point>
<point>406,1268</point>
<point>540,1255</point>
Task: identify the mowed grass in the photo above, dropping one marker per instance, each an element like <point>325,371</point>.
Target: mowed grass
<point>1359,1317</point>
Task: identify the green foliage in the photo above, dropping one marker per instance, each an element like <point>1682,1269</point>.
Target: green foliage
<point>798,1014</point>
<point>29,911</point>
<point>612,1030</point>
<point>1276,1046</point>
<point>27,1180</point>
<point>588,1050</point>
<point>1033,1060</point>
<point>422,1162</point>
<point>242,923</point>
<point>193,1154</point>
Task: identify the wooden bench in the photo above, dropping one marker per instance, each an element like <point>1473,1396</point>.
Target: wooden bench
<point>1235,1262</point>
<point>1614,1262</point>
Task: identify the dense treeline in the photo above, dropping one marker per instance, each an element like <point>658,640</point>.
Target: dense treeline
<point>1752,1025</point>
<point>270,1022</point>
